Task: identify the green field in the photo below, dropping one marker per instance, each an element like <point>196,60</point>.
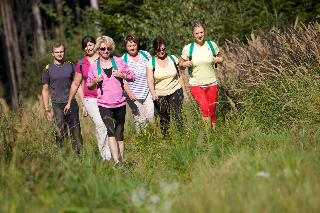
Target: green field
<point>263,157</point>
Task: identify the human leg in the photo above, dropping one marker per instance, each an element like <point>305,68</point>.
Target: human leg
<point>136,107</point>
<point>60,125</point>
<point>212,94</point>
<point>101,130</point>
<point>119,117</point>
<point>163,110</point>
<point>175,101</point>
<point>148,109</point>
<point>107,117</point>
<point>74,126</point>
<point>199,94</point>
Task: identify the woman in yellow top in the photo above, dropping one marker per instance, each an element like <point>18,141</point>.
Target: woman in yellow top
<point>166,84</point>
<point>202,82</point>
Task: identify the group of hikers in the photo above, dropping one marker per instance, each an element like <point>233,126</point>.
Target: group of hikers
<point>143,82</point>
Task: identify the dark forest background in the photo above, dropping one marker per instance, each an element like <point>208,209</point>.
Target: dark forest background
<point>28,28</point>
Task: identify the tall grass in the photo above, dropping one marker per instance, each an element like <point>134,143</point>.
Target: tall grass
<point>240,167</point>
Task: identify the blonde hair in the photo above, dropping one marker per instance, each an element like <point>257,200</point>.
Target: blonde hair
<point>107,40</point>
<point>196,25</point>
<point>57,45</point>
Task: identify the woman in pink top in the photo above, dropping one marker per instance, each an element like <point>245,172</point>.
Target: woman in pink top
<point>90,97</point>
<point>111,96</point>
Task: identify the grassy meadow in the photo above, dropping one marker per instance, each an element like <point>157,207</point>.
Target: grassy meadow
<point>263,157</point>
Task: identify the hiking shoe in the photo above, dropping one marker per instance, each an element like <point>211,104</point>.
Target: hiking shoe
<point>118,166</point>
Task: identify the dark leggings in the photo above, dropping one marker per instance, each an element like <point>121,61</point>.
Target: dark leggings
<point>163,105</point>
<point>114,119</point>
<point>71,120</point>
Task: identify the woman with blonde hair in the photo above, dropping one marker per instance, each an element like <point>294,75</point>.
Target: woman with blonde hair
<point>107,74</point>
<point>90,105</point>
<point>201,57</point>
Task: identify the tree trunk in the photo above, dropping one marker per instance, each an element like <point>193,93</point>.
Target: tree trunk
<point>38,24</point>
<point>94,4</point>
<point>60,11</point>
<point>24,42</point>
<point>8,43</point>
<point>77,10</point>
<point>16,48</point>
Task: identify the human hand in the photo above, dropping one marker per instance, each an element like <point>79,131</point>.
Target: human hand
<point>187,64</point>
<point>132,96</point>
<point>49,116</point>
<point>118,74</point>
<point>67,109</point>
<point>99,78</point>
<point>154,97</point>
<point>185,97</point>
<point>217,59</point>
<point>84,112</point>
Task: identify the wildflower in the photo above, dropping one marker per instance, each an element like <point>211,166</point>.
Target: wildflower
<point>263,174</point>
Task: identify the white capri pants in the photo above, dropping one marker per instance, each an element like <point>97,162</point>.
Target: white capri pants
<point>91,106</point>
<point>143,112</point>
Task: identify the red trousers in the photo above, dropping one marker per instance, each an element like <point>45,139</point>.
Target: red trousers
<point>206,97</point>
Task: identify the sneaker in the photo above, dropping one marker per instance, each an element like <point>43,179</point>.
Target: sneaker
<point>118,166</point>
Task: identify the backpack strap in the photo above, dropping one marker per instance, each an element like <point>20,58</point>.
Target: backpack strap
<point>113,63</point>
<point>175,64</point>
<point>153,64</point>
<point>71,66</point>
<point>144,55</point>
<point>212,50</point>
<point>211,47</point>
<point>190,56</point>
<point>99,73</point>
<point>125,57</point>
<point>81,66</point>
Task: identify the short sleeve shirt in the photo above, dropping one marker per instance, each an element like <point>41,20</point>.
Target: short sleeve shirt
<point>59,80</point>
<point>85,69</point>
<point>165,78</point>
<point>140,86</point>
<point>203,68</point>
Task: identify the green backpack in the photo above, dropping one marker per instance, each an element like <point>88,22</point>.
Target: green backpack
<point>99,70</point>
<point>170,56</point>
<point>126,56</point>
<point>191,50</point>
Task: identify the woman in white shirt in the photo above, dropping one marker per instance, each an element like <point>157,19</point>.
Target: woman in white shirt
<point>138,95</point>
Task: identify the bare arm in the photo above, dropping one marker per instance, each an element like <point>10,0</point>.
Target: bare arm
<point>128,91</point>
<point>45,100</point>
<point>180,78</point>
<point>185,63</point>
<point>150,80</point>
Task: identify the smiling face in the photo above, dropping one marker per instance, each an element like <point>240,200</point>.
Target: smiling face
<point>105,51</point>
<point>161,52</point>
<point>198,34</point>
<point>58,53</point>
<point>132,48</point>
<point>89,49</point>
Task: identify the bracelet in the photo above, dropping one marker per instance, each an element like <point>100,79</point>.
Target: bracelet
<point>125,76</point>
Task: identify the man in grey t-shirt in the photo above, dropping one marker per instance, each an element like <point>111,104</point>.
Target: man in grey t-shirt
<point>58,76</point>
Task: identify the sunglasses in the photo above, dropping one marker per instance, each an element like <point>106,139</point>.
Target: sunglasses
<point>104,49</point>
<point>162,49</point>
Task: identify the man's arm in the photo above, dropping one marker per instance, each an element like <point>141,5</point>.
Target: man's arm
<point>45,100</point>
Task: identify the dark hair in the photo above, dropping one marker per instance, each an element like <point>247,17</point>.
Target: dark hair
<point>132,38</point>
<point>157,44</point>
<point>85,41</point>
<point>196,25</point>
